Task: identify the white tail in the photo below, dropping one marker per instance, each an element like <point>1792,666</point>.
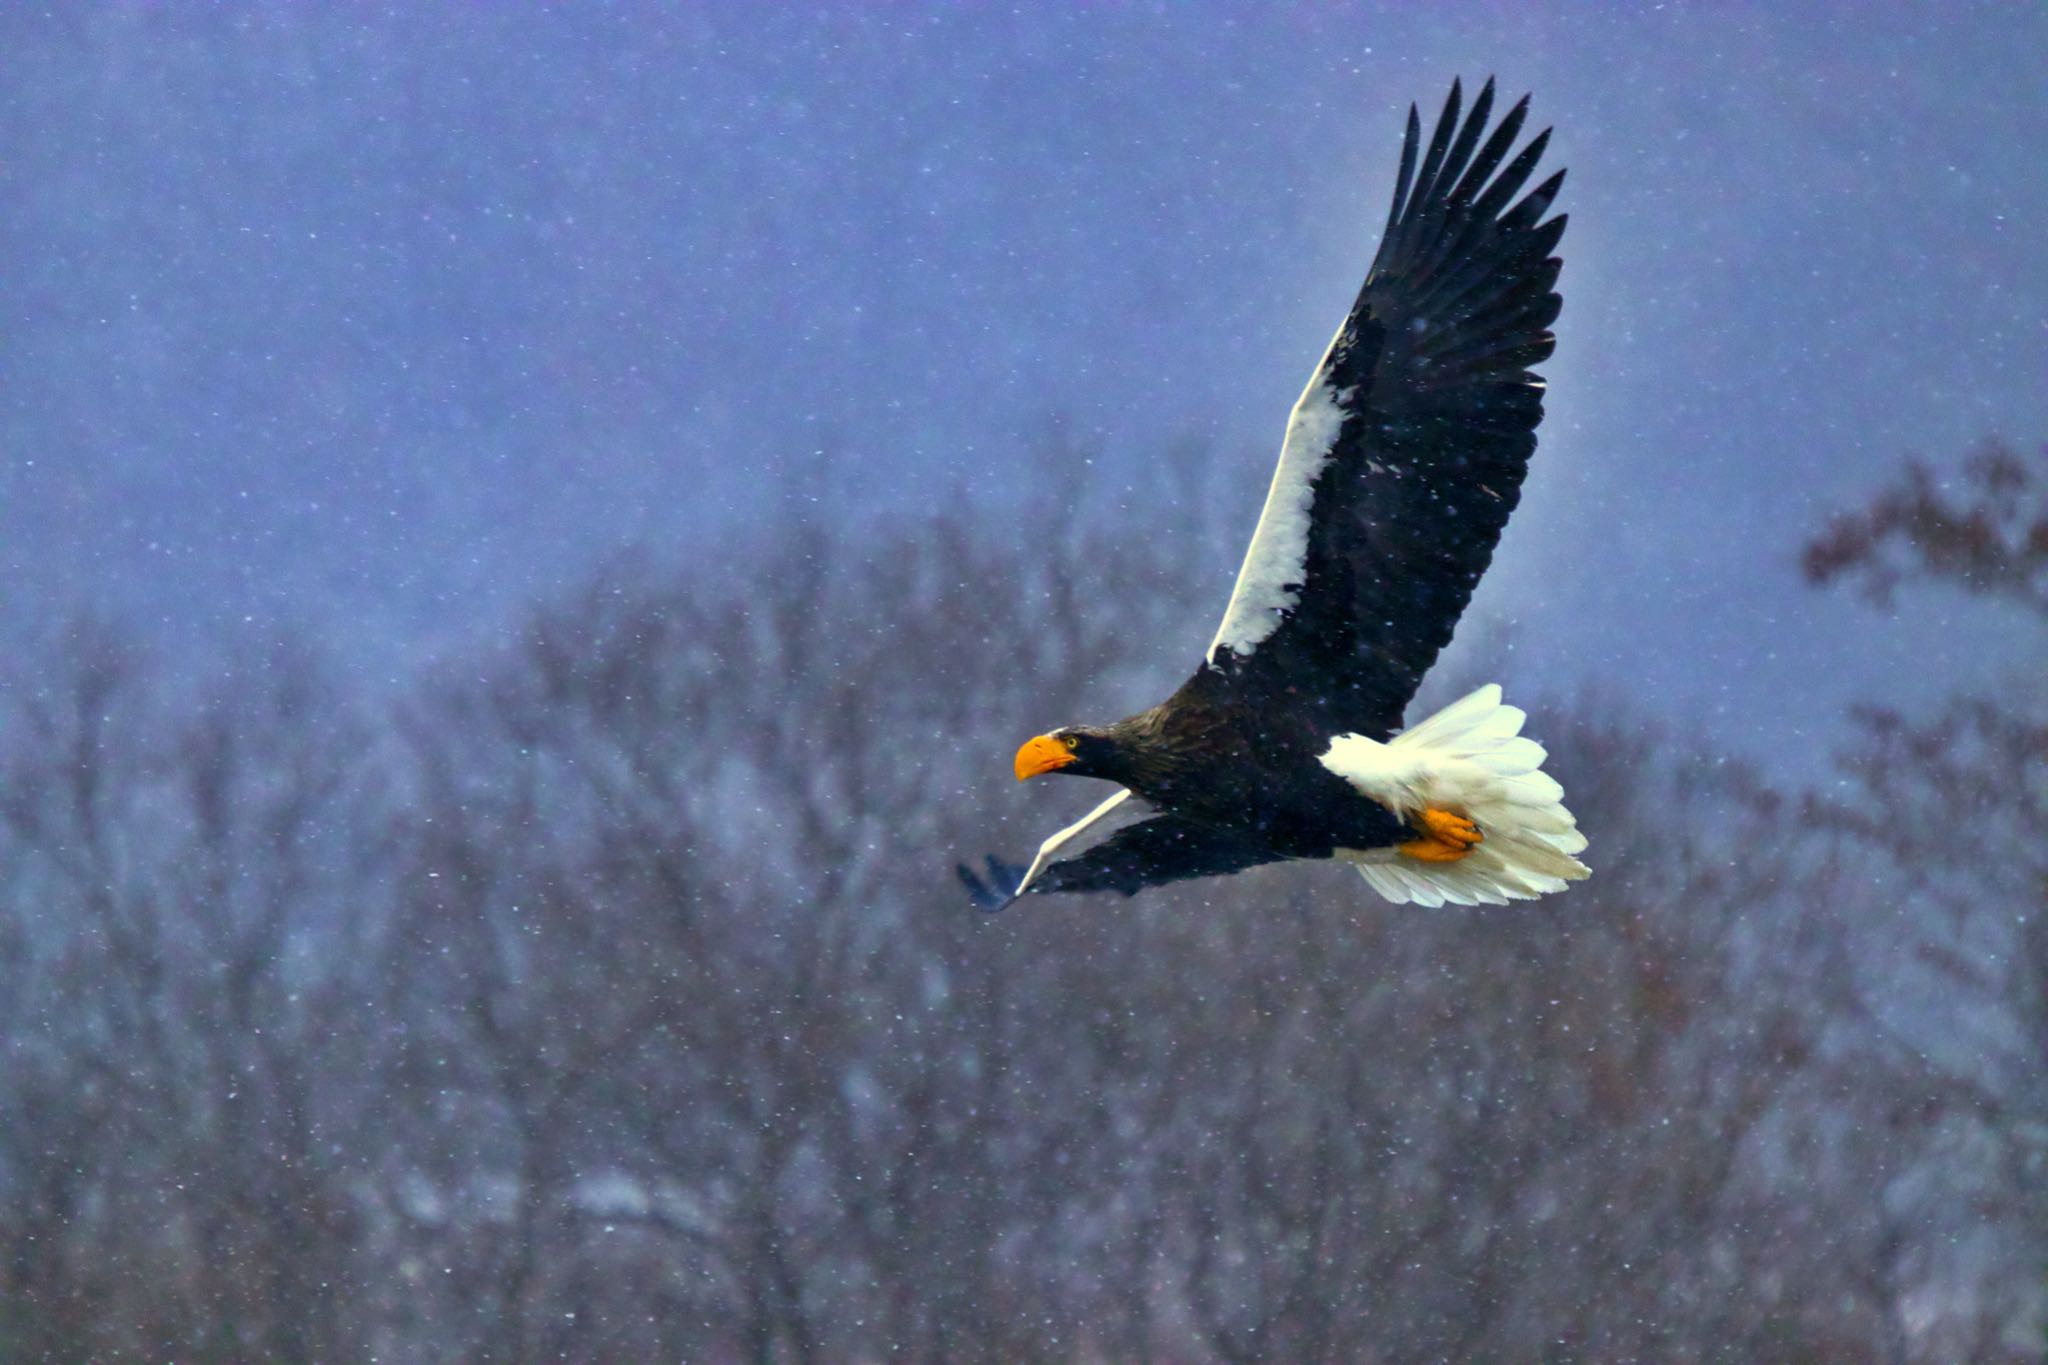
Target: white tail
<point>1470,758</point>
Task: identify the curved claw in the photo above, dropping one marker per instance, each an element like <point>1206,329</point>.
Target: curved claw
<point>1448,827</point>
<point>1447,836</point>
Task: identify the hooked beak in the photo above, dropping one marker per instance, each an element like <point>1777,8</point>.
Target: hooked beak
<point>1042,755</point>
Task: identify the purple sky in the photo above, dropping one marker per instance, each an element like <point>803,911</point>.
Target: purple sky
<point>388,322</point>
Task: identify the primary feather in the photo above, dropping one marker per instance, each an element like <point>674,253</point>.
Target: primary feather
<point>1406,452</point>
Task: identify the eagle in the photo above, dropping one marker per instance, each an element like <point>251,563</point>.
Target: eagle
<point>1401,463</point>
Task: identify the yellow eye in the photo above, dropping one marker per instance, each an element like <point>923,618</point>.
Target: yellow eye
<point>1071,742</point>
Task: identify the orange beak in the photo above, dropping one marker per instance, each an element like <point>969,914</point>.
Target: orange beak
<point>1042,755</point>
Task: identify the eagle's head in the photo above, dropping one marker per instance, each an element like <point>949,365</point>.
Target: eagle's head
<point>1077,750</point>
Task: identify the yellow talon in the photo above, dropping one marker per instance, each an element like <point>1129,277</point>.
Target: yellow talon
<point>1447,836</point>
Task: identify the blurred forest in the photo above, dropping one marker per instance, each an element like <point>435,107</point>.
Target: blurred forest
<point>608,997</point>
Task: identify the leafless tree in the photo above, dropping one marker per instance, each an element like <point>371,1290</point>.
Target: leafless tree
<point>183,996</point>
<point>607,996</point>
<point>1952,807</point>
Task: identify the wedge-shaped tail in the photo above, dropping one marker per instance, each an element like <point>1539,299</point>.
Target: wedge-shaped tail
<point>1470,758</point>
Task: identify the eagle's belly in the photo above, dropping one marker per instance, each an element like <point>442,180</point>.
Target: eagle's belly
<point>1299,809</point>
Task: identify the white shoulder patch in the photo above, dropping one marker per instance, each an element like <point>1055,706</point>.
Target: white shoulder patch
<point>1270,580</point>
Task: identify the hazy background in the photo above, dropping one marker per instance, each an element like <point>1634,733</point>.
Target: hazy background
<point>531,534</point>
<point>385,321</point>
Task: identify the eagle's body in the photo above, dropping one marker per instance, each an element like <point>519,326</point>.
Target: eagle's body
<point>1402,461</point>
<point>1194,756</point>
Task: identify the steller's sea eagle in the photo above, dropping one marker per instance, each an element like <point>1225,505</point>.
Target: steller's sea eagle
<point>1402,461</point>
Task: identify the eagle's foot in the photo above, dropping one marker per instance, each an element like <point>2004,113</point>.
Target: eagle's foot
<point>1447,837</point>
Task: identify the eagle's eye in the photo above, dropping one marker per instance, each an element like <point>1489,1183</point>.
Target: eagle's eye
<point>1072,742</point>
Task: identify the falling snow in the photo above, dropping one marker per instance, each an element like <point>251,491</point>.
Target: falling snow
<point>532,534</point>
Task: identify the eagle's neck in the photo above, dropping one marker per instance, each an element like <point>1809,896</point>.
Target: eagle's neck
<point>1148,762</point>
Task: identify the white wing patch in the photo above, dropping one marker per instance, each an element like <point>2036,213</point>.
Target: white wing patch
<point>1270,580</point>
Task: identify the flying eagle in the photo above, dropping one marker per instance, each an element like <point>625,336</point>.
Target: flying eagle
<point>1401,463</point>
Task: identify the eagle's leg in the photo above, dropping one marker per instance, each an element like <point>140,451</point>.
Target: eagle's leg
<point>1446,836</point>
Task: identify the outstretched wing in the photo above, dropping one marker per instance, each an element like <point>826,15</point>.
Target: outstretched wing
<point>1406,452</point>
<point>1152,852</point>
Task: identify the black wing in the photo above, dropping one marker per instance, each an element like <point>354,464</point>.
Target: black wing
<point>1406,453</point>
<point>1164,848</point>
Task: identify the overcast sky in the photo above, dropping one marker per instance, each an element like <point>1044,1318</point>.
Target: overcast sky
<point>386,322</point>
